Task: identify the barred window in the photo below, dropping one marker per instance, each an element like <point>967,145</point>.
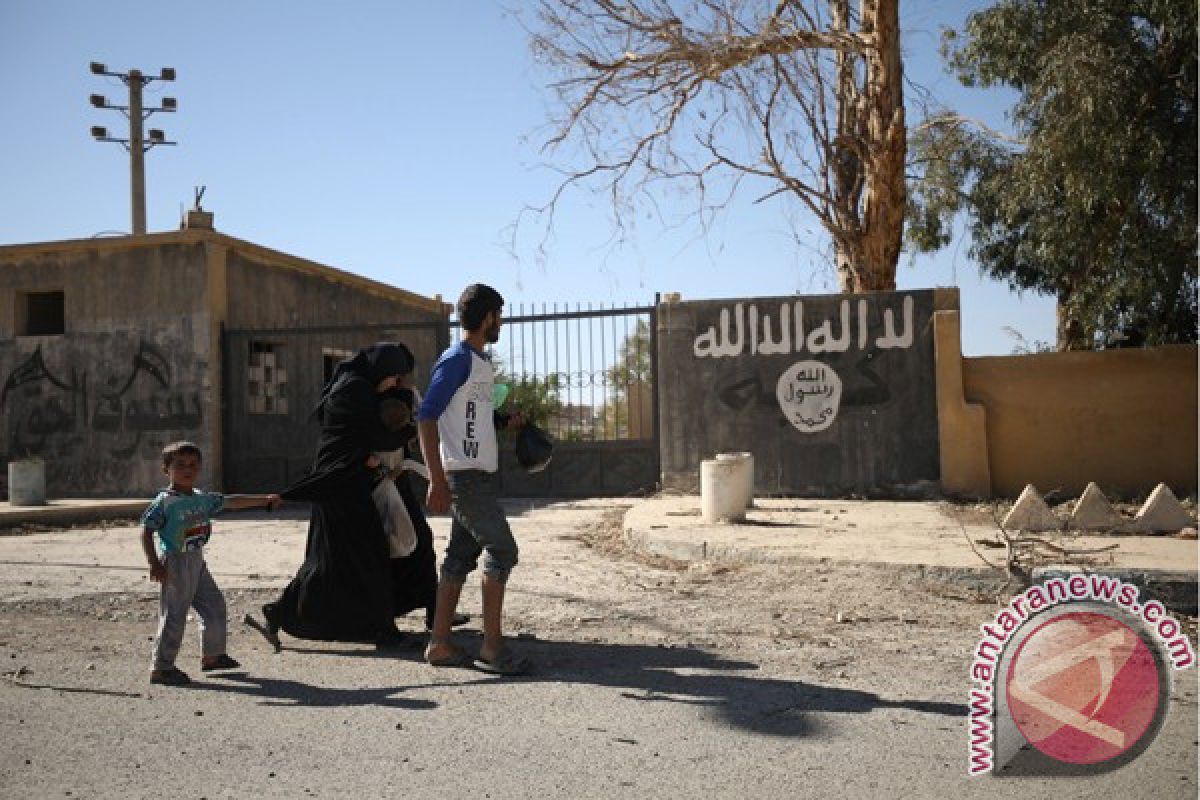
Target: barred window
<point>266,386</point>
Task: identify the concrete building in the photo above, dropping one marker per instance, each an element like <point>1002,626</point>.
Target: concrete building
<point>110,348</point>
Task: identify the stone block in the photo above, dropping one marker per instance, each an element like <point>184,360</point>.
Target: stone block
<point>1162,512</point>
<point>1093,512</point>
<point>1030,513</point>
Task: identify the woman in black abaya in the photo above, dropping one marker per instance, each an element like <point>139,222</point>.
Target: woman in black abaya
<point>344,590</point>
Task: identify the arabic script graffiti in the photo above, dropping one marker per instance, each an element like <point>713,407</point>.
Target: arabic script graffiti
<point>809,394</point>
<point>757,333</point>
<point>69,409</point>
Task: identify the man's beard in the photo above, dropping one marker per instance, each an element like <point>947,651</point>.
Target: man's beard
<point>493,333</point>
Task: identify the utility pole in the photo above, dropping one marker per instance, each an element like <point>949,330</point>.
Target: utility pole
<point>136,144</point>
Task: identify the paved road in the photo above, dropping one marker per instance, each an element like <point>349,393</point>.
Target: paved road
<point>655,679</point>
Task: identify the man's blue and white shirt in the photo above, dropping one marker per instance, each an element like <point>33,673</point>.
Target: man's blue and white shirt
<point>460,399</point>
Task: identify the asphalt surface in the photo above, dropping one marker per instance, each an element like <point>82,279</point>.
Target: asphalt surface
<point>654,678</point>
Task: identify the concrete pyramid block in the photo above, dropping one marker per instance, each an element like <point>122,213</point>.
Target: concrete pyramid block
<point>1093,512</point>
<point>1030,513</point>
<point>1162,512</point>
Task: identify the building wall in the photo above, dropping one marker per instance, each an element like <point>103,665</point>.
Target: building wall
<point>832,394</point>
<point>269,290</point>
<point>129,373</point>
<point>312,313</point>
<point>1125,419</point>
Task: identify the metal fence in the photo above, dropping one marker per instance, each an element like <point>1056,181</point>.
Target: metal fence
<point>586,373</point>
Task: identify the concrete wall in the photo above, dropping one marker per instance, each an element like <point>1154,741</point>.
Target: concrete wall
<point>130,373</point>
<point>1125,419</point>
<point>312,309</point>
<point>832,394</point>
<point>139,363</point>
<point>268,289</point>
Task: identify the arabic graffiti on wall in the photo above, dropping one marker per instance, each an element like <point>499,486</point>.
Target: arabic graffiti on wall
<point>66,409</point>
<point>809,394</point>
<point>748,330</point>
<point>831,393</point>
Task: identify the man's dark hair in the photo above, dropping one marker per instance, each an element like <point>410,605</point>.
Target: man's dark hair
<point>174,449</point>
<point>476,302</point>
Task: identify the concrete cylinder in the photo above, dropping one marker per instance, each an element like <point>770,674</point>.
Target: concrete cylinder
<point>27,482</point>
<point>745,473</point>
<point>721,491</point>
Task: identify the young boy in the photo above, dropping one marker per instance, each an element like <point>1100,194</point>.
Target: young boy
<point>181,516</point>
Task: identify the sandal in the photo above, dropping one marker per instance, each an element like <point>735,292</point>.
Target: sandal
<point>506,662</point>
<point>457,658</point>
<point>170,677</point>
<point>223,661</point>
<point>269,631</point>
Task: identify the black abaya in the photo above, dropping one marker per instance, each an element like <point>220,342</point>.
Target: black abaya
<point>343,591</point>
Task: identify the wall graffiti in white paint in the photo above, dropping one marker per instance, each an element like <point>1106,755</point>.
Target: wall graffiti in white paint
<point>809,394</point>
<point>743,330</point>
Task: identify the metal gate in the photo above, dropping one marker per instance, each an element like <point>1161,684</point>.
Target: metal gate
<point>272,380</point>
<point>586,375</point>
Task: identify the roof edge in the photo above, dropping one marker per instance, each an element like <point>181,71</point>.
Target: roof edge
<point>199,236</point>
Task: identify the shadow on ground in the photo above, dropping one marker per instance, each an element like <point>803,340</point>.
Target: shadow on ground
<point>727,690</point>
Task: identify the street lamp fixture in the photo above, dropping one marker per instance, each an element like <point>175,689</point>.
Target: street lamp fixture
<point>135,144</point>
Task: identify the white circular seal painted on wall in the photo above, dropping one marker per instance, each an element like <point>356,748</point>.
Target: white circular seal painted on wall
<point>809,393</point>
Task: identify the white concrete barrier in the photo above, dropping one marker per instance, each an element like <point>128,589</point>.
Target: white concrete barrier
<point>745,474</point>
<point>721,490</point>
<point>27,482</point>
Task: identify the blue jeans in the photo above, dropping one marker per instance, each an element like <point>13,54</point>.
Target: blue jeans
<point>478,526</point>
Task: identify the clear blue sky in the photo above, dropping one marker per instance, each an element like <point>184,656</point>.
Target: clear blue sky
<point>397,141</point>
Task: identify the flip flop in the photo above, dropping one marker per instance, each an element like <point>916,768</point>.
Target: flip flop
<point>506,662</point>
<point>269,634</point>
<point>223,661</point>
<point>457,658</point>
<point>170,677</point>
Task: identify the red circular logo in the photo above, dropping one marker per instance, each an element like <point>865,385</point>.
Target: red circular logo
<point>1083,688</point>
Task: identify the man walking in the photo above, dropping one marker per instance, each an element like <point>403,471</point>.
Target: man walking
<point>457,427</point>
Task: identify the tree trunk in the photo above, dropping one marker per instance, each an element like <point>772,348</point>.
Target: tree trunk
<point>869,192</point>
<point>1069,332</point>
<point>884,201</point>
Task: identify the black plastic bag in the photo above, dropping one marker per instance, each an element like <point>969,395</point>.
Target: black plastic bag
<point>534,448</point>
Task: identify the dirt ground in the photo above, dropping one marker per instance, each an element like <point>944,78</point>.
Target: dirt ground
<point>654,678</point>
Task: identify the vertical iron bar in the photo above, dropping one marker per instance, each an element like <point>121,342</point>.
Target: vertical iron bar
<point>626,346</point>
<point>604,372</point>
<point>558,425</point>
<point>545,356</point>
<point>655,431</point>
<point>592,371</point>
<point>579,365</point>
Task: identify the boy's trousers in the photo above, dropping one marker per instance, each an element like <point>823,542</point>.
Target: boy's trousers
<point>189,585</point>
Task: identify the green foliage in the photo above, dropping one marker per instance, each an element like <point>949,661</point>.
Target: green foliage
<point>538,400</point>
<point>623,415</point>
<point>1096,204</point>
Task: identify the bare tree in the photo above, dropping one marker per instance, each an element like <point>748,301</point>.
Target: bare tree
<point>802,98</point>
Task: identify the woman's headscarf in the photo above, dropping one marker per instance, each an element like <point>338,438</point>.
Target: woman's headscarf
<point>371,364</point>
